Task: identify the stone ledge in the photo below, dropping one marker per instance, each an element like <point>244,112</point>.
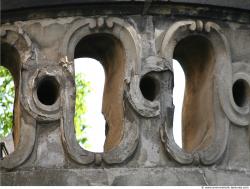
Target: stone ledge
<point>127,176</point>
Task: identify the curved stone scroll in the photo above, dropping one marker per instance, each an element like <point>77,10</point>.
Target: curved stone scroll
<point>238,114</point>
<point>17,38</point>
<point>72,147</point>
<point>222,72</point>
<point>29,97</point>
<point>25,146</point>
<point>125,149</point>
<point>127,35</point>
<point>143,106</point>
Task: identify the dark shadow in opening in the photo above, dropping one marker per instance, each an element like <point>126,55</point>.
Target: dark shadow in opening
<point>149,88</point>
<point>109,51</point>
<point>195,54</point>
<point>48,90</point>
<point>241,92</point>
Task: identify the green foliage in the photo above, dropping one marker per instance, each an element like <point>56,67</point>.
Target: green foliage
<point>82,90</point>
<point>7,94</point>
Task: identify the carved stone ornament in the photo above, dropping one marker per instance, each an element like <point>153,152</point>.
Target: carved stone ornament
<point>126,34</point>
<point>220,79</point>
<point>33,77</point>
<point>15,37</point>
<point>237,112</point>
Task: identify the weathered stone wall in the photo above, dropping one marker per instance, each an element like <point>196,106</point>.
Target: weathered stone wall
<point>136,50</point>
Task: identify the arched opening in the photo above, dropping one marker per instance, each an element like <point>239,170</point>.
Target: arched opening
<point>108,54</point>
<point>178,96</point>
<point>9,99</point>
<point>196,57</point>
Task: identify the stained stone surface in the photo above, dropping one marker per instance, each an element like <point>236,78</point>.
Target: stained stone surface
<point>135,42</point>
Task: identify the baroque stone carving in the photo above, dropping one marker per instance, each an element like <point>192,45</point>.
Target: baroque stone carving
<point>135,41</point>
<point>239,114</point>
<point>126,34</point>
<point>207,152</point>
<point>24,124</point>
<point>41,112</point>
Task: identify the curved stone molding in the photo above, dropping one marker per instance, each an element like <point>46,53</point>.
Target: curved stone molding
<point>143,106</point>
<point>17,38</point>
<point>125,149</point>
<point>30,100</point>
<point>168,44</point>
<point>166,134</point>
<point>25,146</point>
<point>226,83</point>
<point>211,31</point>
<point>72,147</point>
<point>20,40</point>
<point>240,115</point>
<point>127,35</point>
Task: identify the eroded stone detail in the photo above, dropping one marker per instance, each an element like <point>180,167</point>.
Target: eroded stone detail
<point>236,114</point>
<point>24,125</point>
<point>140,56</point>
<point>210,151</point>
<point>124,32</point>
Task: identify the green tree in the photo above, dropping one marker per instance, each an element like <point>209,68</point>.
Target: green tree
<point>82,90</point>
<point>7,95</point>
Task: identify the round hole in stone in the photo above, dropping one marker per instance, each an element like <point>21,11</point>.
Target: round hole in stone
<point>241,92</point>
<point>149,88</point>
<point>48,90</point>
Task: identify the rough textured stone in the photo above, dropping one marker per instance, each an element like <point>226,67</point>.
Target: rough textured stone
<point>136,43</point>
